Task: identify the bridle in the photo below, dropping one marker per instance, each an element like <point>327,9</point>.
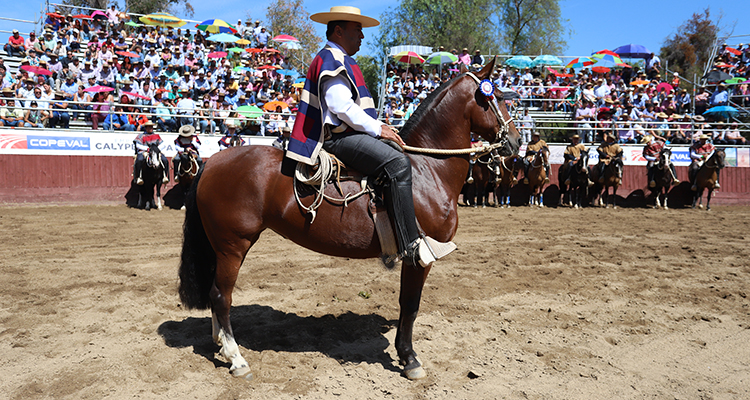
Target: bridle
<point>501,136</point>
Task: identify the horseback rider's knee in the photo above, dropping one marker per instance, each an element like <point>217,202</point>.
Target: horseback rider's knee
<point>398,169</point>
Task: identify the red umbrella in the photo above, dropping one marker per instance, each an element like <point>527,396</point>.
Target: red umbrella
<point>135,95</point>
<point>36,70</point>
<point>554,89</point>
<point>98,88</point>
<point>82,16</point>
<point>564,75</point>
<point>605,51</point>
<point>665,87</point>
<point>55,15</point>
<point>285,38</point>
<point>734,51</point>
<point>601,70</point>
<point>217,54</point>
<point>126,54</point>
<point>271,51</point>
<point>269,66</point>
<point>253,50</point>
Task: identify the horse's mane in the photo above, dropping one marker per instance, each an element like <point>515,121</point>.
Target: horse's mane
<point>413,121</point>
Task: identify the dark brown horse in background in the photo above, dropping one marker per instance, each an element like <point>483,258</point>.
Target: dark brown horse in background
<point>537,178</point>
<point>577,191</point>
<point>663,178</point>
<point>506,171</point>
<point>707,176</point>
<point>612,179</point>
<point>240,193</point>
<point>188,170</point>
<point>476,193</point>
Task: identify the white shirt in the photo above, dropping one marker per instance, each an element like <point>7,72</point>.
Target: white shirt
<point>339,107</point>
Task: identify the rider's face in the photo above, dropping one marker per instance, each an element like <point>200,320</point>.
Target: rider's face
<point>350,37</point>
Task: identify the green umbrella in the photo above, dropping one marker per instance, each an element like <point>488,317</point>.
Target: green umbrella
<point>734,80</point>
<point>236,49</point>
<point>131,23</point>
<point>250,112</point>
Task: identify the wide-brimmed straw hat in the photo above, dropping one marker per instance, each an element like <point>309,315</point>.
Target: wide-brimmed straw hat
<point>344,13</point>
<point>703,136</point>
<point>187,130</point>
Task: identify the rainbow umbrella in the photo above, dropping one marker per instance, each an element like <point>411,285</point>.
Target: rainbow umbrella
<point>409,57</point>
<point>216,26</point>
<point>223,37</point>
<point>163,20</point>
<point>580,62</point>
<point>607,60</point>
<point>441,57</point>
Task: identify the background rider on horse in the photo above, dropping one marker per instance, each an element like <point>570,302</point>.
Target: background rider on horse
<point>338,114</point>
<point>187,143</point>
<point>701,151</point>
<point>535,145</point>
<point>226,141</point>
<point>608,151</point>
<point>141,144</point>
<point>651,151</point>
<point>571,156</point>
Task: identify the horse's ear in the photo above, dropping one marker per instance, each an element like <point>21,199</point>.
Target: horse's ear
<point>462,68</point>
<point>486,72</point>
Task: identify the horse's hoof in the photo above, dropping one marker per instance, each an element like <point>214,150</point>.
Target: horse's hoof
<point>415,373</point>
<point>700,206</point>
<point>666,208</point>
<point>160,207</point>
<point>614,207</point>
<point>243,373</point>
<point>183,208</point>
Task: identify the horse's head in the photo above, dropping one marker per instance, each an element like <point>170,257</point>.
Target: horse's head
<point>719,156</point>
<point>664,156</point>
<point>153,159</point>
<point>583,162</point>
<point>488,114</point>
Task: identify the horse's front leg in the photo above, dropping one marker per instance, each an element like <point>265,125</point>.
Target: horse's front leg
<point>412,282</point>
<point>708,199</point>
<point>158,196</point>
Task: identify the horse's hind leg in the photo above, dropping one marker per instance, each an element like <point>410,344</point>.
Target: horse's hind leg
<point>228,265</point>
<point>708,199</point>
<point>412,282</point>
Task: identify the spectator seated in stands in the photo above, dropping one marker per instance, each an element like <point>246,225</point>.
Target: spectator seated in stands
<point>60,115</point>
<point>164,119</point>
<point>10,115</point>
<point>117,121</point>
<point>34,117</point>
<point>15,46</point>
<point>720,97</point>
<point>732,136</point>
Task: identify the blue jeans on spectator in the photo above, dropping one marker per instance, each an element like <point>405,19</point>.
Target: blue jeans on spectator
<point>11,52</point>
<point>186,121</point>
<point>207,126</point>
<point>31,125</point>
<point>126,127</point>
<point>13,123</point>
<point>626,141</point>
<point>60,117</point>
<point>168,125</point>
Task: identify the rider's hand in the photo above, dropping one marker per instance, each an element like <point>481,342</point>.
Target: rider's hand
<point>386,132</point>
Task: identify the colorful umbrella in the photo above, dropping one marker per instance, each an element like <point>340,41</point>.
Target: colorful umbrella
<point>131,23</point>
<point>99,15</point>
<point>721,111</point>
<point>299,85</point>
<point>665,87</point>
<point>605,51</point>
<point>607,60</point>
<point>546,59</point>
<point>163,20</point>
<point>729,49</point>
<point>271,105</point>
<point>243,42</point>
<point>217,54</point>
<point>409,57</point>
<point>288,72</point>
<point>632,51</point>
<point>55,15</point>
<point>291,45</point>
<point>250,112</point>
<point>135,95</point>
<point>242,69</point>
<point>98,88</point>
<point>519,61</point>
<point>223,37</point>
<point>639,82</point>
<point>126,54</point>
<point>601,70</point>
<point>254,50</point>
<point>580,62</point>
<point>236,49</point>
<point>36,70</point>
<point>285,38</point>
<point>269,66</point>
<point>270,50</point>
<point>441,57</point>
<point>734,81</point>
<point>82,16</point>
<point>216,26</point>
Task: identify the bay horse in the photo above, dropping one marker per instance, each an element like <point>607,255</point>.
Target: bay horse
<point>663,178</point>
<point>506,171</point>
<point>707,176</point>
<point>152,175</point>
<point>476,192</point>
<point>188,170</point>
<point>537,178</point>
<point>240,193</point>
<point>612,179</point>
<point>579,182</point>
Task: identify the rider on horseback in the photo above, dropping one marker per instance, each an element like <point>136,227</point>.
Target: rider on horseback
<point>701,151</point>
<point>141,144</point>
<point>654,146</point>
<point>338,114</point>
<point>226,141</point>
<point>608,151</point>
<point>572,155</point>
<point>535,145</point>
<point>187,142</point>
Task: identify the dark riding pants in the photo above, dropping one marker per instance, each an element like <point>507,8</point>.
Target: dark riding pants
<point>377,159</point>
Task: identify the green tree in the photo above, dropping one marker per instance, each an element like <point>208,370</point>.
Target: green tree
<point>688,50</point>
<point>532,27</point>
<point>289,17</point>
<point>371,71</point>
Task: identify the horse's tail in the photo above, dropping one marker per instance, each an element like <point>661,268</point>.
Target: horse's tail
<point>198,260</point>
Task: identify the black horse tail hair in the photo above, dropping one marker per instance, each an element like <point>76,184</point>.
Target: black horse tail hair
<point>198,259</point>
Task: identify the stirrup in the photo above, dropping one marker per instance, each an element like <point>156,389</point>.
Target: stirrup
<point>526,180</point>
<point>429,250</point>
<point>470,180</point>
<point>177,179</point>
<point>165,180</point>
<point>139,181</point>
<point>675,181</point>
<point>546,180</point>
<point>652,183</point>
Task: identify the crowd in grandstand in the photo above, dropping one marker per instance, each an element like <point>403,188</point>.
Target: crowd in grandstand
<point>173,74</point>
<point>164,71</point>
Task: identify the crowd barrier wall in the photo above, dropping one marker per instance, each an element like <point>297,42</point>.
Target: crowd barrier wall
<point>93,166</point>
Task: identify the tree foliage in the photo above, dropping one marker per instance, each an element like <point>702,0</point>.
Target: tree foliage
<point>371,72</point>
<point>532,26</point>
<point>688,50</point>
<point>493,26</point>
<point>289,17</point>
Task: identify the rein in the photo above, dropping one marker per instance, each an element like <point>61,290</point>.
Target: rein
<point>501,136</point>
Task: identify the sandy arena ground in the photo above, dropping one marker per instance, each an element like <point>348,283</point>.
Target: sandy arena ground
<point>535,304</point>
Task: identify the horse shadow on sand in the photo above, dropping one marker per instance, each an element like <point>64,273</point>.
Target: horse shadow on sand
<point>348,337</point>
<point>173,197</point>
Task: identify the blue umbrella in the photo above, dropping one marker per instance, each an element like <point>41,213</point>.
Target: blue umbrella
<point>721,111</point>
<point>519,61</point>
<point>223,37</point>
<point>633,51</point>
<point>288,72</point>
<point>546,59</point>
